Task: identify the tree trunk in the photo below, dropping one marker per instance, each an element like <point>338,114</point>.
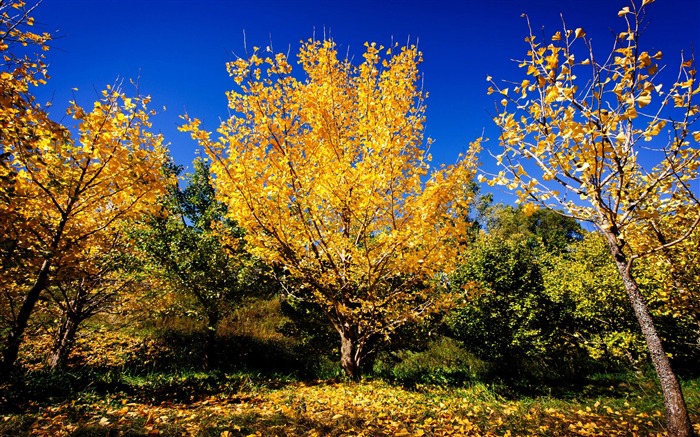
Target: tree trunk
<point>209,346</point>
<point>14,337</point>
<point>64,341</point>
<point>677,420</point>
<point>350,354</point>
<point>74,313</point>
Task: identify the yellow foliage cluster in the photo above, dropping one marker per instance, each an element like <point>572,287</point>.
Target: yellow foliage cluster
<point>65,191</point>
<point>583,125</point>
<point>330,176</point>
<point>61,185</point>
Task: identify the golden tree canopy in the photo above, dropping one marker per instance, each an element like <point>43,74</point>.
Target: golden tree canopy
<point>330,177</point>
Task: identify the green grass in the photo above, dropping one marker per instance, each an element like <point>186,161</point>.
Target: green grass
<point>147,380</point>
<point>216,403</point>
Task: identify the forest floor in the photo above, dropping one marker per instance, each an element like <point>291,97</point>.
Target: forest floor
<point>225,405</point>
<point>134,383</point>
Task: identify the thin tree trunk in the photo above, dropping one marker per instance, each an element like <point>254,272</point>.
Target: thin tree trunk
<point>72,315</point>
<point>64,341</point>
<point>14,337</point>
<point>209,347</point>
<point>16,334</point>
<point>677,419</point>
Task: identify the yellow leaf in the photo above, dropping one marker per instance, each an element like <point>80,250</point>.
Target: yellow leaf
<point>579,33</point>
<point>623,11</point>
<point>646,2</point>
<point>530,208</point>
<point>620,137</point>
<point>644,100</point>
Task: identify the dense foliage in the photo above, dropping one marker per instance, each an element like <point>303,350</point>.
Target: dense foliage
<point>330,177</point>
<point>136,302</point>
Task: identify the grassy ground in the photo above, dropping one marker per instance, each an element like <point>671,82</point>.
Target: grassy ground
<point>218,404</point>
<point>134,383</point>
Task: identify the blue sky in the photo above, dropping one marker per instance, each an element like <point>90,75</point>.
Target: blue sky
<point>179,49</point>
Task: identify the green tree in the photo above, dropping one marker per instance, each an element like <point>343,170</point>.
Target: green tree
<point>602,321</point>
<point>544,230</point>
<point>585,277</point>
<point>508,318</point>
<point>202,255</point>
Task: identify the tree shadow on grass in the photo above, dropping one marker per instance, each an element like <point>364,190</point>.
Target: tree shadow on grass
<point>235,425</point>
<point>172,371</point>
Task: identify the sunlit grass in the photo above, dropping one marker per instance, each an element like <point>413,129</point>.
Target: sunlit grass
<point>242,405</point>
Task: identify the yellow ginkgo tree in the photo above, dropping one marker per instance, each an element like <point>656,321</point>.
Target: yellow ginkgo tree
<point>600,137</point>
<point>330,177</point>
<point>62,188</point>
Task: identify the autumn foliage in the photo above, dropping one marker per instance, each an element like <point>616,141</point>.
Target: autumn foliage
<point>65,189</point>
<point>330,176</point>
<point>136,302</point>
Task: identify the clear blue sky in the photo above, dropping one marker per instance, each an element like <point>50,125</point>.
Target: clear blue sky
<point>179,49</point>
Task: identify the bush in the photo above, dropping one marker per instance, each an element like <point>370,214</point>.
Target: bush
<point>442,362</point>
<point>508,320</point>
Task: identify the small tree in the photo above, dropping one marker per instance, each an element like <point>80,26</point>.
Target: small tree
<point>600,320</point>
<point>329,177</point>
<point>574,134</point>
<point>61,189</point>
<point>81,291</point>
<point>509,319</point>
<point>70,194</point>
<point>201,254</point>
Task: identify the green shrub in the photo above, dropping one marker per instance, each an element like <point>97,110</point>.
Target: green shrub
<point>442,362</point>
<point>508,320</point>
